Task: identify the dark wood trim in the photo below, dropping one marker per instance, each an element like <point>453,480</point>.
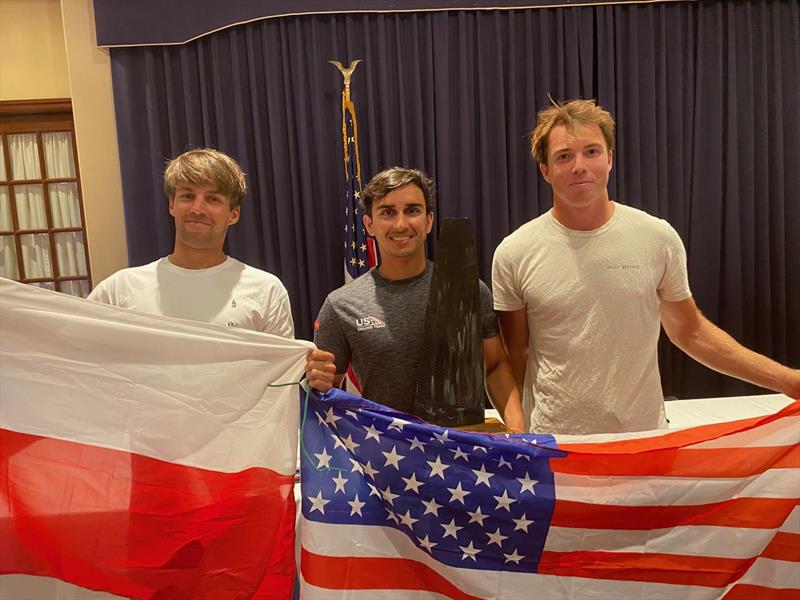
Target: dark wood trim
<point>45,106</point>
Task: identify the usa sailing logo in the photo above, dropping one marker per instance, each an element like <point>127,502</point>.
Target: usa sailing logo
<point>369,322</point>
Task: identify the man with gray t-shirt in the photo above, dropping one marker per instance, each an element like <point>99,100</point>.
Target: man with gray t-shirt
<point>376,322</point>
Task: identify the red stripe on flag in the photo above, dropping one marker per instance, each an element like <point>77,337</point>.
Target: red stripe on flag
<point>682,462</point>
<point>358,573</point>
<point>685,437</point>
<point>744,591</point>
<point>758,513</point>
<point>676,569</point>
<point>784,546</point>
<point>140,527</point>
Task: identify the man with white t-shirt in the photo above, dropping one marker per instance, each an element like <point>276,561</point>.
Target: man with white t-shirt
<point>582,291</point>
<point>198,281</point>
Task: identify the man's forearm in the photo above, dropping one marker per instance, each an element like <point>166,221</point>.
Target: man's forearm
<point>519,362</point>
<point>716,349</point>
<point>505,396</point>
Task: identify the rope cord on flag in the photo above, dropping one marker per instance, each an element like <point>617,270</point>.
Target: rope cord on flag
<point>303,450</point>
<point>303,383</point>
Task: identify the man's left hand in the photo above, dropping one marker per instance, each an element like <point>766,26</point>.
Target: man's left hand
<point>320,370</point>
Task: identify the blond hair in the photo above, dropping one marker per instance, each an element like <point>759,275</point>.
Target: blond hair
<point>201,166</point>
<point>572,115</point>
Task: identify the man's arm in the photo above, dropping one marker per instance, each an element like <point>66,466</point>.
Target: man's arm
<point>514,328</point>
<point>321,364</point>
<point>688,329</point>
<point>500,384</point>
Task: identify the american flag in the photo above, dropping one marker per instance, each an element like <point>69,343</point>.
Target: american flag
<point>359,253</point>
<point>393,507</point>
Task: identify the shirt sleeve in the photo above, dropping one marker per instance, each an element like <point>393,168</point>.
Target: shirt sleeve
<point>329,336</point>
<point>280,320</point>
<point>507,296</point>
<point>100,293</point>
<point>674,284</point>
<point>488,316</point>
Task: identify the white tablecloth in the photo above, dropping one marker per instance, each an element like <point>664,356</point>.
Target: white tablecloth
<point>702,411</point>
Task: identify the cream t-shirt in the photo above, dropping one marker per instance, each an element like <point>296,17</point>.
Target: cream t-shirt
<point>592,300</point>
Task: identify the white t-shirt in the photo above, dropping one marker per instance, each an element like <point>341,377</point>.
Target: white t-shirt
<point>592,300</point>
<point>232,294</point>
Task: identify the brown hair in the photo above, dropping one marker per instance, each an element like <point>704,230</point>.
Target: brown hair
<point>393,178</point>
<point>572,114</point>
<point>203,166</point>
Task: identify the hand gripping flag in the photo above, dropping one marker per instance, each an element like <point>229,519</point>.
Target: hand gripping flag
<point>143,456</point>
<point>393,507</point>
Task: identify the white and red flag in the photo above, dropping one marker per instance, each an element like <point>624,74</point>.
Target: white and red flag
<point>143,456</point>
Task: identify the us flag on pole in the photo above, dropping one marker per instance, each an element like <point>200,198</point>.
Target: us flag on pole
<point>393,507</point>
<point>360,253</point>
<point>359,249</point>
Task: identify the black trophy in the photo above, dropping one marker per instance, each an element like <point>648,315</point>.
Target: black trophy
<point>449,387</point>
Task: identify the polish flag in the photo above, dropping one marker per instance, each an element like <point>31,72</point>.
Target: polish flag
<point>143,456</point>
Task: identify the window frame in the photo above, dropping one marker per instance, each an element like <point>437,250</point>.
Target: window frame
<point>39,117</point>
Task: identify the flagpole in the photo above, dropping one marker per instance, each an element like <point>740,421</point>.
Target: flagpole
<point>347,105</point>
<point>359,249</point>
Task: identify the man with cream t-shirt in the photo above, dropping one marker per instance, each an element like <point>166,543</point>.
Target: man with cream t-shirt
<point>583,290</point>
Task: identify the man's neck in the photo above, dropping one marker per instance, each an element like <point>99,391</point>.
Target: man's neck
<point>585,218</point>
<point>192,258</point>
<point>399,269</point>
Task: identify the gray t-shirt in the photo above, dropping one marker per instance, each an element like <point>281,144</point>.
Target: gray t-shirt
<point>377,325</point>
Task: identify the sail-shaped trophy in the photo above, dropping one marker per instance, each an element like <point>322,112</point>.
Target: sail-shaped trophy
<point>450,388</point>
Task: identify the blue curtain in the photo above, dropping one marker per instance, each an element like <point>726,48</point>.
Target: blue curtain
<point>705,96</point>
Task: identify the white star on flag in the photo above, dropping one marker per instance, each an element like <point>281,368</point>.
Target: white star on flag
<point>369,471</point>
<point>356,506</point>
<point>527,484</point>
<point>350,444</point>
<point>324,459</point>
<point>426,543</point>
<point>483,476</point>
<point>522,523</point>
<point>318,503</point>
<point>496,537</point>
<point>450,529</point>
<point>372,433</point>
<point>397,424</point>
<point>477,516</point>
<point>393,458</point>
<point>457,493</point>
<point>412,483</point>
<point>431,507</point>
<point>469,551</point>
<point>331,418</point>
<point>504,501</point>
<point>407,520</point>
<point>459,453</point>
<point>339,481</point>
<point>415,443</point>
<point>437,467</point>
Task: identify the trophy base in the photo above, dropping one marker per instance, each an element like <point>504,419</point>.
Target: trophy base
<point>490,425</point>
<point>451,416</point>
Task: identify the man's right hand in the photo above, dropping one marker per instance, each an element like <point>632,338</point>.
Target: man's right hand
<point>320,370</point>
